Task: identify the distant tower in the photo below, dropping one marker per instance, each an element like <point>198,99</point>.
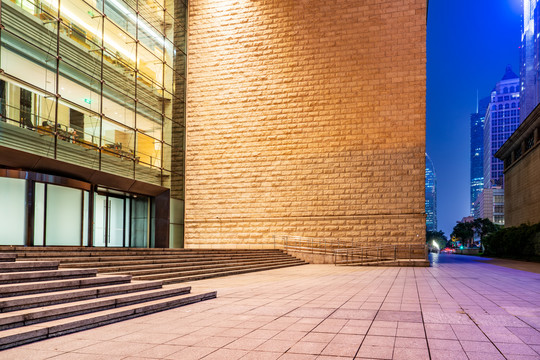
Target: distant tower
<point>477,149</point>
<point>502,119</point>
<point>529,56</point>
<point>431,196</point>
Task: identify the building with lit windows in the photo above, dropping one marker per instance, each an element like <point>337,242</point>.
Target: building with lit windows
<point>529,60</point>
<point>477,149</point>
<point>502,119</point>
<point>92,119</point>
<point>431,195</point>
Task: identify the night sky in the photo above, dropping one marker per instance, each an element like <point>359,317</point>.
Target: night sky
<point>469,44</point>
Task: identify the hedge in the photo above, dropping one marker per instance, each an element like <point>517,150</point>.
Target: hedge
<point>519,241</point>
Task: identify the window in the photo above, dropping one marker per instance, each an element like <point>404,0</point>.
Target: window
<point>505,90</point>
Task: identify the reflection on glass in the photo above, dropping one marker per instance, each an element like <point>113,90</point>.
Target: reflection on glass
<point>117,140</point>
<point>12,211</point>
<point>148,150</point>
<point>39,214</point>
<point>121,62</point>
<point>64,216</point>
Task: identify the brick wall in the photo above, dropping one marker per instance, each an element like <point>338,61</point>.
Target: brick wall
<point>522,190</point>
<point>305,118</point>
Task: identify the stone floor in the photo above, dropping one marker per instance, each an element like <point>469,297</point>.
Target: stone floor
<point>459,308</point>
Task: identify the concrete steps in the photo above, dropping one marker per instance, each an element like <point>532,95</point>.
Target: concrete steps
<point>23,335</point>
<point>169,265</point>
<point>36,304</point>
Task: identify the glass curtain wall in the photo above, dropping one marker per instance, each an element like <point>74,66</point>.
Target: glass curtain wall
<point>98,83</point>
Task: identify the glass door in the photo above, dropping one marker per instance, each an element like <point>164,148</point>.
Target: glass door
<point>100,220</point>
<point>115,222</point>
<point>110,221</point>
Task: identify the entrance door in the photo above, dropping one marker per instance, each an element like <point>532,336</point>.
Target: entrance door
<point>110,221</point>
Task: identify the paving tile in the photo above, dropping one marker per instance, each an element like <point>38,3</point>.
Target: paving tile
<point>341,349</point>
<point>441,344</point>
<point>229,354</point>
<point>245,343</point>
<point>24,353</point>
<point>288,356</point>
<point>476,355</point>
<point>387,341</point>
<point>160,351</point>
<point>410,354</point>
<point>377,352</point>
<point>191,353</point>
<point>261,355</point>
<point>515,349</point>
<point>113,348</point>
<point>415,343</point>
<point>306,347</point>
<point>215,341</point>
<point>480,346</point>
<point>289,335</point>
<point>449,355</point>
<point>276,345</point>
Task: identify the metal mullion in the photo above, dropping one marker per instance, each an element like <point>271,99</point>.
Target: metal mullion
<point>101,84</point>
<point>57,85</point>
<point>45,214</point>
<point>82,218</point>
<point>137,43</point>
<point>163,67</point>
<point>124,224</point>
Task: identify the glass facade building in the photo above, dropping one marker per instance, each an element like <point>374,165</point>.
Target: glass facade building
<point>502,119</point>
<point>92,110</point>
<point>431,195</point>
<point>477,150</point>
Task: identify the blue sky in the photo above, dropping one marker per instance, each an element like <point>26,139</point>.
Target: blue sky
<point>469,44</point>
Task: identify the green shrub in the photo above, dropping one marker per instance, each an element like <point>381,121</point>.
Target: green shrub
<point>520,241</point>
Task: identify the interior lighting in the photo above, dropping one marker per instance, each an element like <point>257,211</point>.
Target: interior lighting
<point>76,19</point>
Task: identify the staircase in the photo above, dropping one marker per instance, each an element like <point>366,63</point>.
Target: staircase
<point>168,265</point>
<point>39,301</point>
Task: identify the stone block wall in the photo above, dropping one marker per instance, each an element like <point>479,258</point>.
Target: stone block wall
<point>522,190</point>
<point>305,118</point>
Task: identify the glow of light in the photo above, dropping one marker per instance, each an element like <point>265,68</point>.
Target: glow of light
<point>435,245</point>
<point>76,19</point>
<point>88,101</point>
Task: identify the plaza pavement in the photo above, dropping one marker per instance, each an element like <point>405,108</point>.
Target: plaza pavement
<point>459,308</point>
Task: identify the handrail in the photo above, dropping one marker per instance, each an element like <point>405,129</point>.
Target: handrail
<point>370,254</point>
<point>349,252</point>
<point>311,245</point>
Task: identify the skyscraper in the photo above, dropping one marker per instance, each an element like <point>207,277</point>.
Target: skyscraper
<point>431,196</point>
<point>502,119</point>
<point>477,149</point>
<point>530,62</point>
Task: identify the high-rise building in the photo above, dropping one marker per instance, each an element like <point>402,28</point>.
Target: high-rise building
<point>431,195</point>
<point>477,149</point>
<point>529,59</point>
<point>502,119</point>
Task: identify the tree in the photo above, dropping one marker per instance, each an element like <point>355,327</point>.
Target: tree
<point>464,231</point>
<point>483,227</point>
<point>437,236</point>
